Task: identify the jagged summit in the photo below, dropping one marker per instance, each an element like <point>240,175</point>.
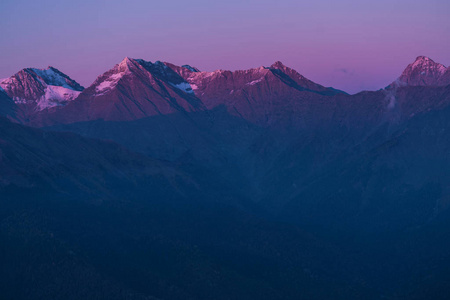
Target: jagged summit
<point>109,79</point>
<point>137,69</point>
<point>278,65</point>
<point>425,63</point>
<point>423,72</point>
<point>126,61</point>
<point>423,58</point>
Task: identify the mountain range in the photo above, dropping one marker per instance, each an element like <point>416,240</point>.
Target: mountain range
<point>166,182</point>
<point>136,89</point>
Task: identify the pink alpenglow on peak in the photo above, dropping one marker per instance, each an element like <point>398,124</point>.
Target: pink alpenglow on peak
<point>107,81</point>
<point>135,89</point>
<point>424,72</point>
<point>257,94</point>
<point>132,89</point>
<point>40,89</point>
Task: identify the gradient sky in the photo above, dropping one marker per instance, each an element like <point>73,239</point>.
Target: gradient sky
<point>352,45</point>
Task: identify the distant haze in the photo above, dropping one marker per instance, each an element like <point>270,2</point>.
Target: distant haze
<point>351,45</point>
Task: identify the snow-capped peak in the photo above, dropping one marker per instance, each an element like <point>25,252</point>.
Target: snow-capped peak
<point>41,88</point>
<point>56,96</point>
<point>422,72</point>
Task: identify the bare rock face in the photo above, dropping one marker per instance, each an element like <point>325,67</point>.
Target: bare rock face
<point>424,72</point>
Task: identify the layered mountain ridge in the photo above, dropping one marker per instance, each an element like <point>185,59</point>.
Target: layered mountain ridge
<point>136,88</point>
<point>166,182</point>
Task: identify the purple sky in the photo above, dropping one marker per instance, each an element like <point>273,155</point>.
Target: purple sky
<point>352,45</point>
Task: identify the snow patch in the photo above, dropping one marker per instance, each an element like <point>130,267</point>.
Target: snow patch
<point>56,96</point>
<point>51,77</point>
<point>254,82</point>
<point>107,84</point>
<point>184,86</point>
